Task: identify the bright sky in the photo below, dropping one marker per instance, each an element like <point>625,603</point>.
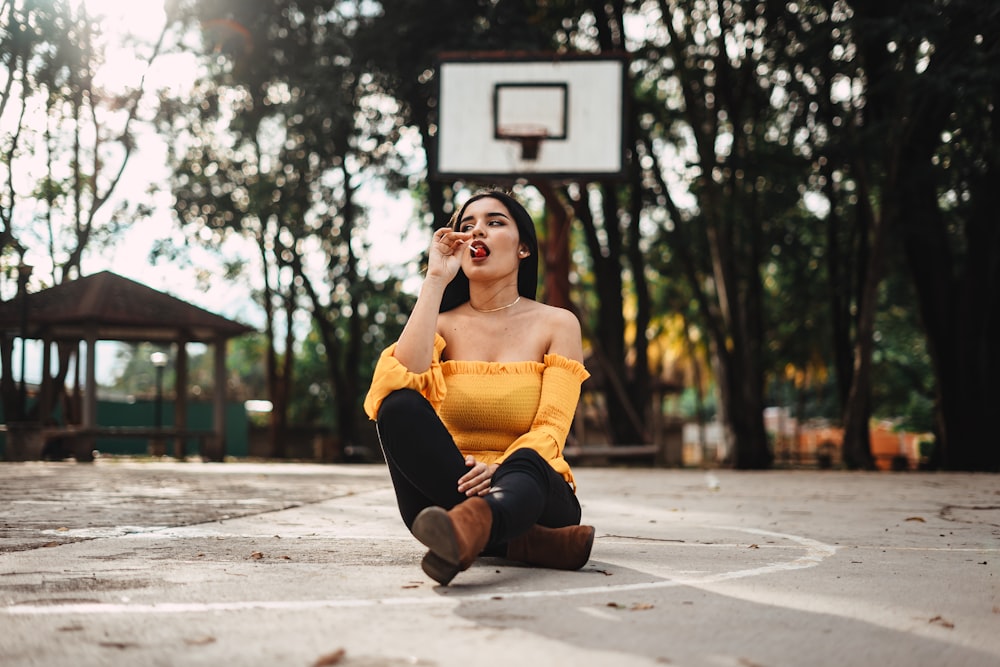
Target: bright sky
<point>391,240</point>
<point>144,18</point>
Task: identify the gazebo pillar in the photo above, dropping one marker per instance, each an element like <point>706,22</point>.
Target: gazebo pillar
<point>90,381</point>
<point>180,398</point>
<point>45,397</point>
<point>218,447</point>
<point>83,445</point>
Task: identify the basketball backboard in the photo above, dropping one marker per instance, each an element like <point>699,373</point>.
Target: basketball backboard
<point>508,116</point>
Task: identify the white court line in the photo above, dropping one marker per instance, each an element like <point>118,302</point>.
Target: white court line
<point>815,553</point>
<point>880,547</point>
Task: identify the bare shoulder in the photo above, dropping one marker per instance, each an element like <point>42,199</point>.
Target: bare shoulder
<point>553,314</point>
<point>562,328</point>
<point>444,319</point>
<point>564,318</point>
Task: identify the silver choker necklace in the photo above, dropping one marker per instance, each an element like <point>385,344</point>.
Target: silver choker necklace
<point>493,310</point>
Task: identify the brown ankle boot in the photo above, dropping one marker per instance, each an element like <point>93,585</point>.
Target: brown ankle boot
<point>557,548</point>
<point>455,537</point>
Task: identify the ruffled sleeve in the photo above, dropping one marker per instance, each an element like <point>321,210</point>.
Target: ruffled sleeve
<point>391,375</point>
<point>561,381</point>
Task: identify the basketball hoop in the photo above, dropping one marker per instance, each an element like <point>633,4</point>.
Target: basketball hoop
<point>495,109</point>
<point>529,136</point>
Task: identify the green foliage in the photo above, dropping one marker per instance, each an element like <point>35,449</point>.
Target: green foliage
<point>383,309</point>
<point>273,147</point>
<point>770,142</point>
<point>67,137</point>
<point>903,389</point>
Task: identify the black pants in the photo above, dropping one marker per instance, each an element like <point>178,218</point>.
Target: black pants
<point>425,466</point>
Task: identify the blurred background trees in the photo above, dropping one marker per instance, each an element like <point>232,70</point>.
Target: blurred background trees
<point>809,218</point>
<point>67,138</point>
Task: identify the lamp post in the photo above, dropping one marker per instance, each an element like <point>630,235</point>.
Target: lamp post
<point>23,274</point>
<point>159,360</point>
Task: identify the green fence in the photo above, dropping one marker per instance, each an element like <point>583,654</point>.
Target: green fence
<point>142,413</point>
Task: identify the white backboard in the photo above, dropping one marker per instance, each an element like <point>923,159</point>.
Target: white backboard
<point>577,103</point>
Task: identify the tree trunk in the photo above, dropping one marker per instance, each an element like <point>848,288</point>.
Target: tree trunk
<point>741,413</point>
<point>283,382</point>
<point>555,252</point>
<point>856,446</point>
<point>347,387</point>
<point>8,388</point>
<point>839,287</point>
<point>624,421</point>
<point>736,334</point>
<point>641,391</point>
<point>959,302</point>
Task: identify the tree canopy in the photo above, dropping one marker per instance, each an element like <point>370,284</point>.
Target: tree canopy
<point>809,207</point>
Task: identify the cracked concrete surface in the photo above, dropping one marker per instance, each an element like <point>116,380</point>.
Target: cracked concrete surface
<point>164,563</point>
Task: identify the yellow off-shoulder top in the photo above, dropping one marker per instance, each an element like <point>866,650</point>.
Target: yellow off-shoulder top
<point>492,409</point>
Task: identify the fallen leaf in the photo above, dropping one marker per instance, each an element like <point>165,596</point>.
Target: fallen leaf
<point>917,518</point>
<point>614,605</point>
<point>256,555</point>
<point>200,641</point>
<point>118,645</point>
<point>753,546</point>
<point>938,620</point>
<point>641,606</point>
<point>330,658</point>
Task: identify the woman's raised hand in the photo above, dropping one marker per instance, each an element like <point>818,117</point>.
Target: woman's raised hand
<point>445,258</point>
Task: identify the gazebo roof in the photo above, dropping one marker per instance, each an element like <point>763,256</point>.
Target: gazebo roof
<point>114,308</point>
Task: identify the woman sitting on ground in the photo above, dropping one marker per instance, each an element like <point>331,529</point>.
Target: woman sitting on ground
<point>475,400</point>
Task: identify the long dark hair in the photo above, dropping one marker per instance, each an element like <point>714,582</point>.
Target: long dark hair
<point>457,291</point>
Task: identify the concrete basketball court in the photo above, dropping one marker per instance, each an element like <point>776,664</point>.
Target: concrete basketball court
<point>166,563</point>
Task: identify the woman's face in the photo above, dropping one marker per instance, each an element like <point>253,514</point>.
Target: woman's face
<point>495,243</point>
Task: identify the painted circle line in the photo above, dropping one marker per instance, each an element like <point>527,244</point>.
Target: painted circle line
<point>815,553</point>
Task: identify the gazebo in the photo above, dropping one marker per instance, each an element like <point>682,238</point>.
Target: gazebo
<point>107,307</point>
